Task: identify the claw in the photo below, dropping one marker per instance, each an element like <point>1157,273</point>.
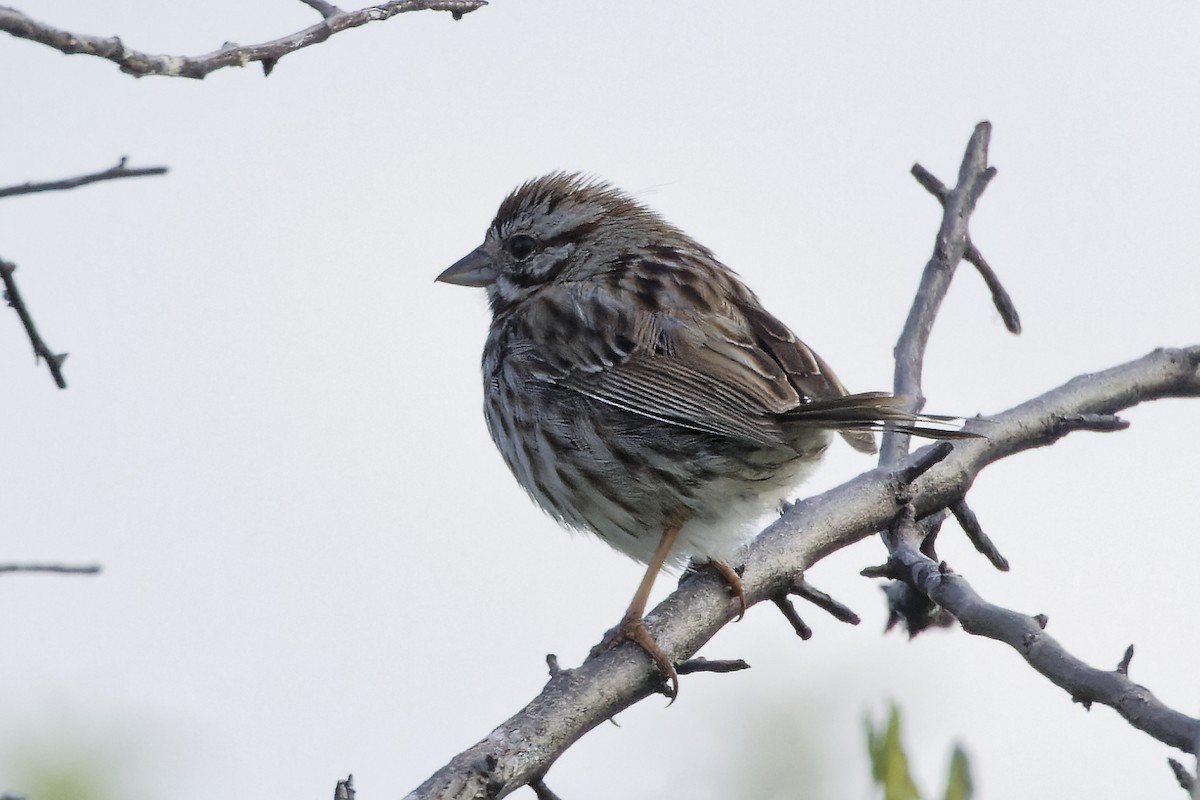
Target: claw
<point>633,629</point>
<point>733,581</point>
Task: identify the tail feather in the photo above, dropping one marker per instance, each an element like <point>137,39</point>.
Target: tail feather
<point>857,416</point>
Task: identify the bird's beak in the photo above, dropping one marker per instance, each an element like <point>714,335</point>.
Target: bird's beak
<point>473,269</point>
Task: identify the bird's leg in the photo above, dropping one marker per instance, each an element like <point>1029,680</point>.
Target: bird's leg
<point>632,627</point>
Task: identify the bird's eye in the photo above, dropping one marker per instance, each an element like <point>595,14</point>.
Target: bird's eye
<point>521,246</point>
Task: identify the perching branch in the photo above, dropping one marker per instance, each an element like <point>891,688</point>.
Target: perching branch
<point>12,296</point>
<point>110,174</point>
<point>138,64</point>
<point>576,700</point>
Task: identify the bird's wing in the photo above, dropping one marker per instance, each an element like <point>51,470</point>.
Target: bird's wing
<point>815,382</point>
<point>731,370</point>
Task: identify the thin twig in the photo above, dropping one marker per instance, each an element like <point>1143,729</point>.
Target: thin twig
<point>84,569</point>
<point>541,790</point>
<point>710,665</point>
<point>976,535</point>
<point>1123,664</point>
<point>957,205</point>
<point>802,588</point>
<point>139,64</point>
<point>926,458</point>
<point>326,10</point>
<point>12,296</point>
<point>110,174</point>
<point>1186,780</point>
<point>784,604</point>
<point>1000,299</point>
<point>1099,423</point>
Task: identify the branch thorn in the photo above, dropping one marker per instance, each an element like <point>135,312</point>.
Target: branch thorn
<point>1123,666</point>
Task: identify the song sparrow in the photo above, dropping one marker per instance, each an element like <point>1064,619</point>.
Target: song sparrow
<point>638,390</point>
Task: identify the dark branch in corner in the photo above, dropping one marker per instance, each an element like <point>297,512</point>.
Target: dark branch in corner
<point>66,569</point>
<point>268,54</point>
<point>110,174</point>
<point>12,296</point>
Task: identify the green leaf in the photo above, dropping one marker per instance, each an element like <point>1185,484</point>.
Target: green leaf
<point>889,764</point>
<point>958,783</point>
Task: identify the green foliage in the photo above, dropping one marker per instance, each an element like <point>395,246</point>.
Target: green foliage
<point>73,773</point>
<point>889,764</point>
<point>958,782</point>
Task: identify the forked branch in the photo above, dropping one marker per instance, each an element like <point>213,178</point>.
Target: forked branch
<point>139,64</point>
<point>913,561</point>
<point>12,296</point>
<point>110,174</point>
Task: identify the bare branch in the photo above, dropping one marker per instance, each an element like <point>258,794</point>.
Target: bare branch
<point>911,554</point>
<point>1023,633</point>
<point>951,242</point>
<point>1000,299</point>
<point>975,534</point>
<point>85,569</point>
<point>1100,423</point>
<point>1186,780</point>
<point>268,54</point>
<point>705,665</point>
<point>326,10</point>
<point>929,457</point>
<point>1123,664</point>
<point>541,790</point>
<point>344,789</point>
<point>40,349</point>
<point>552,664</point>
<point>110,174</point>
<point>802,588</point>
<point>784,604</point>
<point>576,700</point>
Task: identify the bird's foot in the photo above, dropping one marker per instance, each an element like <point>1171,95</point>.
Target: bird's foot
<point>732,580</point>
<point>633,629</point>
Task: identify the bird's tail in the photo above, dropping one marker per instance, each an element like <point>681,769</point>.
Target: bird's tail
<point>857,416</point>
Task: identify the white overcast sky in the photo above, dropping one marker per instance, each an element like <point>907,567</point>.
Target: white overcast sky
<point>314,561</point>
